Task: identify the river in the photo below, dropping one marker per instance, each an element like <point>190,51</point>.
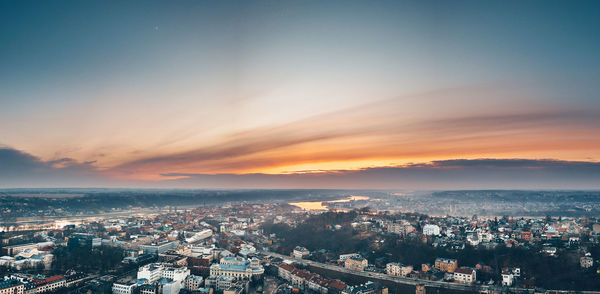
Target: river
<point>318,205</point>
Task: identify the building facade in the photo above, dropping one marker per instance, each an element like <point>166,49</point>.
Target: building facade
<point>431,230</point>
<point>356,263</point>
<point>237,267</point>
<point>123,288</point>
<point>446,264</point>
<point>11,287</point>
<point>465,275</point>
<point>398,269</point>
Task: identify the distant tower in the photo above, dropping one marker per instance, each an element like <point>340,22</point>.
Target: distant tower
<point>420,289</point>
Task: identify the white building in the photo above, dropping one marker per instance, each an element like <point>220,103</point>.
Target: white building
<point>401,228</point>
<point>398,269</point>
<point>123,288</point>
<point>193,282</point>
<point>169,286</point>
<point>465,275</point>
<point>24,260</point>
<point>199,236</point>
<point>246,250</point>
<point>154,271</point>
<point>147,289</point>
<point>151,272</point>
<point>203,251</point>
<point>175,273</point>
<point>171,279</point>
<point>343,257</point>
<point>300,252</point>
<point>473,239</point>
<point>16,249</point>
<point>285,271</point>
<point>159,248</point>
<point>509,275</point>
<point>431,230</point>
<point>237,267</point>
<point>507,279</point>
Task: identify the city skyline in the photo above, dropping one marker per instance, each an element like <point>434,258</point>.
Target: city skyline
<point>382,95</point>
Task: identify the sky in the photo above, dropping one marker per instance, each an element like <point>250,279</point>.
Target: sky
<point>300,94</point>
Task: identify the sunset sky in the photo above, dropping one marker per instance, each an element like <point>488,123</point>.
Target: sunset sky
<point>300,94</point>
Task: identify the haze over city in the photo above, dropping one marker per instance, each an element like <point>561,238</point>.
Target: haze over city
<point>299,147</point>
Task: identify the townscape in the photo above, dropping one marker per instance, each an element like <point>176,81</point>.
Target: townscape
<point>299,147</point>
<point>340,246</point>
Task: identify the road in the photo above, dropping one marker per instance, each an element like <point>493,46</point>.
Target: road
<point>380,276</point>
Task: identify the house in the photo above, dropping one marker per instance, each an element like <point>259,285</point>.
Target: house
<point>304,280</point>
<point>446,264</point>
<point>398,269</point>
<point>356,263</point>
<point>483,267</point>
<point>586,261</point>
<point>300,279</point>
<point>465,275</point>
<point>420,289</point>
<point>318,284</point>
<point>300,252</point>
<point>336,287</point>
<point>549,250</point>
<point>509,275</point>
<point>426,267</point>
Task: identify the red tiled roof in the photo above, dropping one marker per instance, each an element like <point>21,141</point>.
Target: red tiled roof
<point>48,280</point>
<point>338,285</point>
<point>320,281</point>
<point>303,274</point>
<point>287,267</point>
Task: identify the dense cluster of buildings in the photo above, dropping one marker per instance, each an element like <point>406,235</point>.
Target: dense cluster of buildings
<point>224,249</point>
<point>19,283</point>
<point>305,280</point>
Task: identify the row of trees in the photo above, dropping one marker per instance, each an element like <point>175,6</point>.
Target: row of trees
<point>317,233</point>
<point>84,259</point>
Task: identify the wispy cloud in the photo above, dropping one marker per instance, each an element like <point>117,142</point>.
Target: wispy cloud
<point>389,130</point>
<point>20,169</point>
